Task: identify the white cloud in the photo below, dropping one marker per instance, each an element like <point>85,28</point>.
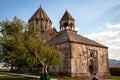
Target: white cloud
<point>112,26</point>
<point>77,29</point>
<point>114,53</point>
<point>110,39</point>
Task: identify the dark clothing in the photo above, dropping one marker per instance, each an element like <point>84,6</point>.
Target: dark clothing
<point>94,78</point>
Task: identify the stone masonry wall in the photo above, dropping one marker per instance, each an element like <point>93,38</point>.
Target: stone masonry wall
<point>65,66</point>
<point>80,60</point>
<point>75,60</point>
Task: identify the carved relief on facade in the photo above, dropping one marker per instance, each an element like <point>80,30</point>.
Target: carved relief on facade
<point>92,61</point>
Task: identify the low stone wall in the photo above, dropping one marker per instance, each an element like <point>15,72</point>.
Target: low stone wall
<point>4,69</point>
<point>115,71</point>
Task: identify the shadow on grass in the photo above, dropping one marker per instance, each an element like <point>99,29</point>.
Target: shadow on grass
<point>15,78</point>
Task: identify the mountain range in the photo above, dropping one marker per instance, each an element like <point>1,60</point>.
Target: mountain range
<point>114,63</point>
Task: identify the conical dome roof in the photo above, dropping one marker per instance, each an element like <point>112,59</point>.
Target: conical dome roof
<point>66,16</point>
<point>40,14</point>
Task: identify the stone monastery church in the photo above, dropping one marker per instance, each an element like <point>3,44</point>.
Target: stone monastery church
<point>80,56</point>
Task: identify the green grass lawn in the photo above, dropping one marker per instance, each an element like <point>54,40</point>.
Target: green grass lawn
<point>64,78</point>
<point>115,77</point>
<point>14,78</point>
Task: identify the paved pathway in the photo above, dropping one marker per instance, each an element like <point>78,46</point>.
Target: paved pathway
<point>24,75</point>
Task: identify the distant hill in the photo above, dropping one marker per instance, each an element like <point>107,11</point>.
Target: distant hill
<point>114,63</point>
<point>117,65</point>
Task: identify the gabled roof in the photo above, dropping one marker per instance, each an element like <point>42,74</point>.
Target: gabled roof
<point>40,14</point>
<point>66,16</point>
<point>48,32</point>
<point>72,36</point>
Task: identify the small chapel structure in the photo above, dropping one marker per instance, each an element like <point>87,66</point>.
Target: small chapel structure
<point>80,56</point>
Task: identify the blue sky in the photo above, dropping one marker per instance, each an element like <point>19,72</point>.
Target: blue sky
<point>92,14</point>
<point>98,17</point>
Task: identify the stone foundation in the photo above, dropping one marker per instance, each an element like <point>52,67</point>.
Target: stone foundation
<point>82,76</point>
<point>88,76</point>
<point>104,75</point>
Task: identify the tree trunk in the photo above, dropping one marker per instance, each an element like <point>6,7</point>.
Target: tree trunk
<point>44,73</point>
<point>12,65</point>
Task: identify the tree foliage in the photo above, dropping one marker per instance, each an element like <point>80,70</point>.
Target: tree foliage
<point>22,45</point>
<point>12,41</point>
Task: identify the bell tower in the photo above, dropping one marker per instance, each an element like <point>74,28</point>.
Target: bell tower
<point>67,22</point>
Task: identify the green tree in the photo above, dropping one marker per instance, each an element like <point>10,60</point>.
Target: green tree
<point>45,55</point>
<point>12,41</point>
<point>22,44</point>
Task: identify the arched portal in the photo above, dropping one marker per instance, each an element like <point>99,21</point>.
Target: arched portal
<point>91,66</point>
